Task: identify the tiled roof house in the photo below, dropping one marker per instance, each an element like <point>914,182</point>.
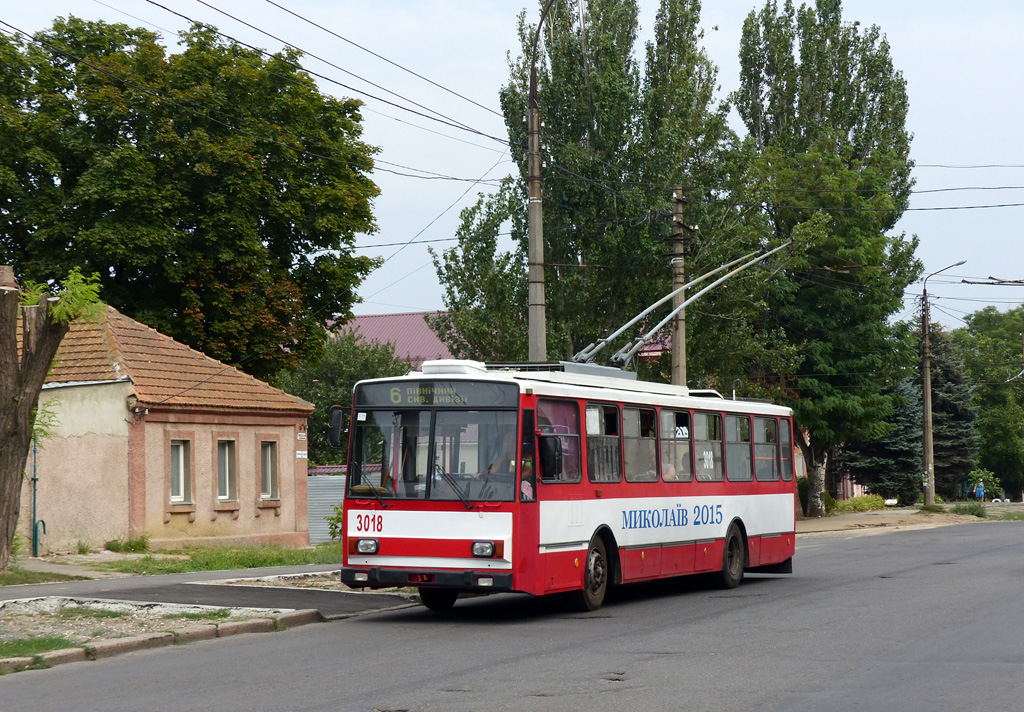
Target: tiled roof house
<point>407,332</point>
<point>154,438</point>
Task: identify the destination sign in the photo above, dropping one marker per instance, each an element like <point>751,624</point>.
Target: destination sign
<point>437,394</point>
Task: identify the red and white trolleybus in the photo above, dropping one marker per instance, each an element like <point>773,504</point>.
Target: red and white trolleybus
<point>564,478</point>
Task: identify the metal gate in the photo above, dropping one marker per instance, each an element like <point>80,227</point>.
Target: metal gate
<point>324,491</point>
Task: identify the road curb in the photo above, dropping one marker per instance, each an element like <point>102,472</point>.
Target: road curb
<point>118,646</point>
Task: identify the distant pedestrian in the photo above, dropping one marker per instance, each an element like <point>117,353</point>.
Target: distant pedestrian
<point>979,491</point>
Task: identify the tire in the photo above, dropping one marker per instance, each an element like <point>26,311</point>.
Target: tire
<point>595,578</point>
<point>438,599</point>
<point>734,558</point>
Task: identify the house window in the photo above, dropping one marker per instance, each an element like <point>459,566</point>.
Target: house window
<point>227,488</point>
<point>268,470</point>
<point>181,475</point>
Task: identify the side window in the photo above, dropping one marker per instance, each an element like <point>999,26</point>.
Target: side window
<point>766,449</point>
<point>786,445</point>
<point>737,448</point>
<point>675,446</point>
<point>707,447</point>
<point>641,446</point>
<point>604,461</point>
<point>181,471</point>
<point>227,479</point>
<point>562,418</point>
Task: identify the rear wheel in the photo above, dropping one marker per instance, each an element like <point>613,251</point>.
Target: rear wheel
<point>734,558</point>
<point>595,578</point>
<point>438,599</point>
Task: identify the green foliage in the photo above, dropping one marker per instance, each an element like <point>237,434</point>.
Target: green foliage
<point>618,136</point>
<point>215,191</point>
<point>825,112</point>
<point>976,509</point>
<point>955,448</point>
<point>890,465</point>
<point>78,296</point>
<point>989,345</point>
<point>830,503</point>
<point>860,504</point>
<point>137,545</point>
<point>16,576</point>
<point>84,547</point>
<point>34,646</point>
<point>329,380</point>
<point>217,615</point>
<point>78,612</point>
<point>336,522</point>
<point>933,508</point>
<point>223,558</point>
<point>993,487</point>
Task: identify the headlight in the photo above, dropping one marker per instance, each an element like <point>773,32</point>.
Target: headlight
<point>367,546</point>
<point>483,549</point>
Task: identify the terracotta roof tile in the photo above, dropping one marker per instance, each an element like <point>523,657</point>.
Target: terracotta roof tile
<point>162,371</point>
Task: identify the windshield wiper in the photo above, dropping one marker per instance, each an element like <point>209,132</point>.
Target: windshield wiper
<point>452,483</point>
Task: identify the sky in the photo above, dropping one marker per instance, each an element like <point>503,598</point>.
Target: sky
<point>962,63</point>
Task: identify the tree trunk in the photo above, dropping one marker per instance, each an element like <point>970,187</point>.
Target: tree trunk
<point>21,380</point>
<point>816,462</point>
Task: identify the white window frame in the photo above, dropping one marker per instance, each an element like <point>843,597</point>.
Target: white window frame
<point>269,470</point>
<point>181,471</point>
<point>227,469</point>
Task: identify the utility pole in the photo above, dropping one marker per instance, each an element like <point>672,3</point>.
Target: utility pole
<point>926,389</point>
<point>678,281</point>
<point>536,310</point>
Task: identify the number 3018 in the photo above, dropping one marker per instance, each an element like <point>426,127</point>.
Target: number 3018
<point>370,523</point>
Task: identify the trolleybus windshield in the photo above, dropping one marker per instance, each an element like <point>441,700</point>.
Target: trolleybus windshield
<point>445,452</point>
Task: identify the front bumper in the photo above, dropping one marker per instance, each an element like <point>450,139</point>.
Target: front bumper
<point>376,577</point>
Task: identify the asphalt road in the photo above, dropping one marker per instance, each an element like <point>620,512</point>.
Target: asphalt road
<point>907,620</point>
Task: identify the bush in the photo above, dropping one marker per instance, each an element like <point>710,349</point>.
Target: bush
<point>830,502</point>
<point>801,490</point>
<point>137,545</point>
<point>859,504</point>
<point>975,508</point>
<point>336,521</point>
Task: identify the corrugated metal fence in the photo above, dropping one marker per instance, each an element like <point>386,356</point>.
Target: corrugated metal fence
<point>324,491</point>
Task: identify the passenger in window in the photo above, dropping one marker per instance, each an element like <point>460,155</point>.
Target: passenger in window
<point>504,462</point>
<point>669,473</point>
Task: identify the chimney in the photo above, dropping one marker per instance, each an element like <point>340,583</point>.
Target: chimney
<point>7,280</point>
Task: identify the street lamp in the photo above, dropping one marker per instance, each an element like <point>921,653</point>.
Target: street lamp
<point>926,389</point>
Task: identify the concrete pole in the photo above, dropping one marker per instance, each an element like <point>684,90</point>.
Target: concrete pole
<point>537,324</point>
<point>678,280</point>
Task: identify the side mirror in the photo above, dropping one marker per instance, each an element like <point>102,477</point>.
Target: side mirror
<point>550,456</point>
<point>335,425</point>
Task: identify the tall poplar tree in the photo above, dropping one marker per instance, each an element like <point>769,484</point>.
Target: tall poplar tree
<point>616,138</point>
<point>825,110</point>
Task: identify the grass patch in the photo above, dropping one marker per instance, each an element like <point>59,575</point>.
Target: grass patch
<point>933,508</point>
<point>82,612</point>
<point>976,509</point>
<point>866,503</point>
<point>221,558</point>
<point>17,577</point>
<point>1012,516</point>
<point>217,615</point>
<point>34,646</point>
<point>138,545</point>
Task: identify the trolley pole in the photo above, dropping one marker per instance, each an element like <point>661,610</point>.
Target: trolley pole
<point>678,281</point>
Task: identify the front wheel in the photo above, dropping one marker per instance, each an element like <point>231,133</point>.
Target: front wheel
<point>595,578</point>
<point>438,599</point>
<point>734,559</point>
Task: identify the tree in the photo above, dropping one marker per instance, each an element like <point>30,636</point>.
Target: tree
<point>890,465</point>
<point>825,111</point>
<point>215,191</point>
<point>617,138</point>
<point>39,322</point>
<point>955,448</point>
<point>329,381</point>
<point>990,345</point>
